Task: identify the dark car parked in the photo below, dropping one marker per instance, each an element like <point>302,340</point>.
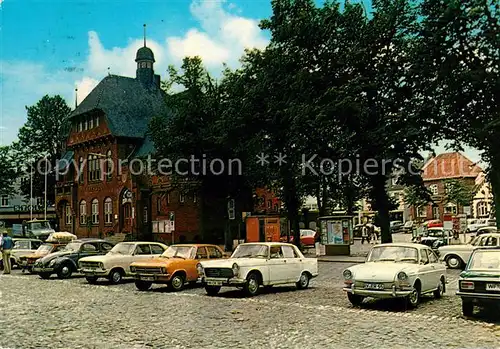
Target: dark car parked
<point>396,227</point>
<point>65,262</point>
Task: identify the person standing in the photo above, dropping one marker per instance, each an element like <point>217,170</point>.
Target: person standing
<point>7,245</point>
<point>364,234</point>
<point>317,240</point>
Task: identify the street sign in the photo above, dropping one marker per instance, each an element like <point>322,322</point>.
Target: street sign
<point>467,210</point>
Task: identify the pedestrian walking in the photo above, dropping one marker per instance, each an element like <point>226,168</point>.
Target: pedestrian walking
<point>7,245</point>
<point>317,240</point>
<point>364,234</point>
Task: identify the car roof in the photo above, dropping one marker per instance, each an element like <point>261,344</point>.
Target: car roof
<point>403,244</point>
<point>491,234</point>
<point>487,248</point>
<point>268,243</point>
<point>26,239</point>
<point>194,245</point>
<point>90,240</point>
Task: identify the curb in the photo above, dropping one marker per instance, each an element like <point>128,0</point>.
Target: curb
<point>359,261</point>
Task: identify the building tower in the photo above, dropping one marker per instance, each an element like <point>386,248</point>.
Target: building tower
<point>145,60</point>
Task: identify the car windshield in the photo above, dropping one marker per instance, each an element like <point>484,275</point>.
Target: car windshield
<point>39,225</point>
<point>44,248</point>
<point>185,252</point>
<point>73,246</point>
<point>21,245</point>
<point>307,233</point>
<point>122,248</point>
<point>251,251</point>
<point>485,260</point>
<point>393,254</point>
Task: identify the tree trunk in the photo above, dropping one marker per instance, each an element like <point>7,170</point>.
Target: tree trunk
<point>495,187</point>
<point>382,204</point>
<point>292,208</point>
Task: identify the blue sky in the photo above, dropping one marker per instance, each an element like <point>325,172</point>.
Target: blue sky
<point>52,46</point>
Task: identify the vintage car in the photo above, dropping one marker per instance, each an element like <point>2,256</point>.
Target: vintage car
<point>307,237</point>
<point>479,283</point>
<point>436,237</point>
<point>22,246</point>
<point>396,270</point>
<point>65,262</point>
<point>457,256</point>
<point>115,264</point>
<point>175,267</point>
<point>395,226</point>
<point>38,229</point>
<point>486,230</point>
<point>27,261</point>
<point>258,264</point>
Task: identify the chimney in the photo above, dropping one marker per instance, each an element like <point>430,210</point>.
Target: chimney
<point>157,80</point>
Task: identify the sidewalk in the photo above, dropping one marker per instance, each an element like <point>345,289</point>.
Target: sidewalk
<point>342,259</point>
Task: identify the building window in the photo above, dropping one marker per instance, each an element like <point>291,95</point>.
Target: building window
<point>95,211</point>
<point>482,209</point>
<point>109,166</point>
<point>145,218</point>
<point>158,205</point>
<point>85,124</point>
<point>83,212</point>
<point>80,169</point>
<point>91,123</point>
<point>181,198</point>
<point>39,202</point>
<point>422,211</point>
<point>79,126</point>
<point>108,211</point>
<point>67,214</point>
<point>434,189</point>
<point>450,209</point>
<point>94,168</point>
<point>97,121</point>
<point>4,201</point>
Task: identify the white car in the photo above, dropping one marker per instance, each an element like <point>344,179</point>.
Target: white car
<point>475,225</point>
<point>115,264</point>
<point>457,256</point>
<point>397,270</point>
<point>23,246</point>
<point>258,264</point>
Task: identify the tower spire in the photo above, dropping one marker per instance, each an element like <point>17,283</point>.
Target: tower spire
<point>144,25</point>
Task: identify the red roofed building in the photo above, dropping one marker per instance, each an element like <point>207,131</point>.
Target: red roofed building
<point>436,171</point>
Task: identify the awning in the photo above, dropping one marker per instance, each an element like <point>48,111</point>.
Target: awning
<point>64,161</point>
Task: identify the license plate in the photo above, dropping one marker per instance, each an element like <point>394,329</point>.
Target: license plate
<point>214,283</point>
<point>493,287</point>
<point>374,286</point>
<point>147,278</point>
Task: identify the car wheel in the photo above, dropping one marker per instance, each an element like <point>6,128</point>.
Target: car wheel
<point>212,290</point>
<point>64,271</point>
<point>303,282</point>
<point>438,293</point>
<point>454,262</point>
<point>143,285</point>
<point>91,279</point>
<point>177,282</point>
<point>45,276</point>
<point>467,307</point>
<point>115,276</point>
<point>251,287</point>
<point>414,297</point>
<point>355,299</point>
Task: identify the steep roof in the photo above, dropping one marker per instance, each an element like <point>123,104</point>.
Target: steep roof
<point>127,104</point>
<point>450,165</point>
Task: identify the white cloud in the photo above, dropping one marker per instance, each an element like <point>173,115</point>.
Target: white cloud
<point>84,86</point>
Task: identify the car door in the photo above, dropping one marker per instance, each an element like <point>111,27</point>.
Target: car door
<point>426,270</point>
<point>437,268</point>
<point>201,255</point>
<point>294,264</point>
<point>278,267</point>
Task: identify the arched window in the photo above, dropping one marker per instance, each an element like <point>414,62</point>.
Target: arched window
<point>91,122</point>
<point>109,165</point>
<point>482,209</point>
<point>95,211</point>
<point>89,168</point>
<point>67,213</point>
<point>83,212</point>
<point>108,211</point>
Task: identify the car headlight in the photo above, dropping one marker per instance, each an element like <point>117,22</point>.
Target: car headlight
<point>402,276</point>
<point>199,268</point>
<point>163,270</point>
<point>236,269</point>
<point>101,265</point>
<point>52,263</point>
<point>347,274</point>
<point>132,269</point>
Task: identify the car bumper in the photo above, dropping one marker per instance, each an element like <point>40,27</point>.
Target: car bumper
<point>155,278</point>
<point>479,296</point>
<point>43,270</point>
<point>94,272</point>
<point>393,293</point>
<point>235,282</point>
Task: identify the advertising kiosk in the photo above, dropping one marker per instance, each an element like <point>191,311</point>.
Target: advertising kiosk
<point>336,234</point>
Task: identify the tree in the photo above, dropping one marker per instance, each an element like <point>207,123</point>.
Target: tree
<point>459,192</point>
<point>43,136</point>
<point>8,171</point>
<point>459,62</point>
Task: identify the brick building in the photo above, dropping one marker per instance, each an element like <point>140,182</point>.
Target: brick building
<point>107,197</point>
<point>436,171</point>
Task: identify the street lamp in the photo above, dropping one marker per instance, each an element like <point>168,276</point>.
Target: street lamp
<point>31,192</point>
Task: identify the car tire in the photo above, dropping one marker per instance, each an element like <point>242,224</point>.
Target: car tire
<point>177,282</point>
<point>45,276</point>
<point>438,293</point>
<point>65,271</point>
<point>91,279</point>
<point>115,276</point>
<point>143,285</point>
<point>303,282</point>
<point>212,290</point>
<point>252,285</point>
<point>355,299</point>
<point>467,307</point>
<point>454,262</point>
<point>413,300</point>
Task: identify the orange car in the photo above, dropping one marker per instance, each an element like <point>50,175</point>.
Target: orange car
<point>27,261</point>
<point>175,267</point>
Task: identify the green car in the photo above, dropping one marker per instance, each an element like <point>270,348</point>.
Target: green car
<point>479,283</point>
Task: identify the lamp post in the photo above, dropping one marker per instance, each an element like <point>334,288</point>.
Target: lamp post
<point>31,192</point>
<point>45,192</point>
